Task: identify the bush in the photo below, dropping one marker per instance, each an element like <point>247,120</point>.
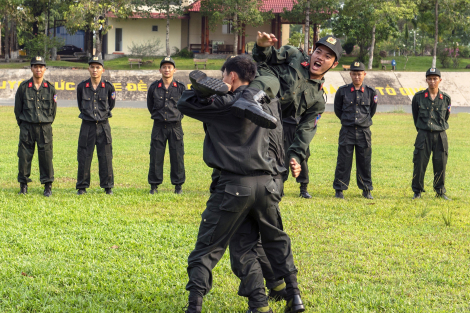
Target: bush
<point>348,46</point>
<point>377,59</point>
<point>296,39</point>
<point>35,45</point>
<point>147,48</point>
<point>183,53</point>
<point>464,51</point>
<point>443,56</point>
<point>383,54</point>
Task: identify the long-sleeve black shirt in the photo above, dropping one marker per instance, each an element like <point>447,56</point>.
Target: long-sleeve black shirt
<point>95,105</point>
<point>35,105</point>
<point>355,107</point>
<point>161,102</point>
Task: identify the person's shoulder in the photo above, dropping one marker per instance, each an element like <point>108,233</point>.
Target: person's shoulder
<point>180,84</point>
<point>369,87</point>
<point>25,82</point>
<point>49,85</point>
<point>342,88</point>
<point>421,92</point>
<point>108,83</point>
<point>153,84</point>
<point>80,84</point>
<point>445,95</point>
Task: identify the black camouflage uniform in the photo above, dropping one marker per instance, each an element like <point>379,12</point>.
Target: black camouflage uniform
<point>430,117</point>
<point>95,108</point>
<point>245,188</point>
<point>355,109</point>
<point>35,111</point>
<point>161,103</point>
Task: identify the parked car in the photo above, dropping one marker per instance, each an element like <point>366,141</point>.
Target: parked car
<point>69,50</point>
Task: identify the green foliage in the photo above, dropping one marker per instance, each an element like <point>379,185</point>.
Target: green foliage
<point>348,46</point>
<point>151,47</point>
<point>183,53</point>
<point>35,45</point>
<point>464,51</point>
<point>296,39</point>
<point>443,56</point>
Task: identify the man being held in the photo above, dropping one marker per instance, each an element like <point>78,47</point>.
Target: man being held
<point>96,98</point>
<point>355,105</point>
<point>431,110</point>
<point>239,149</point>
<point>162,97</point>
<point>35,110</point>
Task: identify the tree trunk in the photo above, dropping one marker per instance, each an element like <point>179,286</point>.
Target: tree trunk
<point>7,41</point>
<point>414,42</point>
<point>13,41</point>
<point>372,45</point>
<point>0,38</point>
<point>46,30</point>
<point>307,27</point>
<point>98,43</point>
<point>235,39</point>
<point>436,29</point>
<point>168,50</point>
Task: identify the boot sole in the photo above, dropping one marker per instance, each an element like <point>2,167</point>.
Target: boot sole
<point>296,309</point>
<point>264,121</point>
<point>205,84</point>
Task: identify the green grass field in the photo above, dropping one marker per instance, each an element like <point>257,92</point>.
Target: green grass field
<point>415,64</point>
<point>128,252</point>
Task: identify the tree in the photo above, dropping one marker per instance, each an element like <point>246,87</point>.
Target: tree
<point>90,15</point>
<point>14,15</point>
<point>235,13</point>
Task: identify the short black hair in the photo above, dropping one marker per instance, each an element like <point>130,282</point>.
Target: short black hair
<point>243,65</point>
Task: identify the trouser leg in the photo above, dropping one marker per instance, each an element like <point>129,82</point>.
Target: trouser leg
<point>157,155</point>
<point>176,148</point>
<point>44,140</point>
<point>289,133</point>
<point>439,161</point>
<point>215,179</point>
<point>26,148</point>
<point>363,167</point>
<point>104,149</point>
<point>245,263</point>
<point>343,167</point>
<point>421,156</point>
<point>86,146</point>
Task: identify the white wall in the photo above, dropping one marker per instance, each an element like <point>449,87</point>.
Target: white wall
<point>140,30</point>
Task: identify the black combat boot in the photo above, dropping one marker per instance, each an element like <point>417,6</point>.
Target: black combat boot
<point>178,189</point>
<point>194,304</point>
<point>23,189</point>
<point>339,194</point>
<point>249,106</point>
<point>303,191</point>
<point>366,194</point>
<point>108,191</point>
<point>417,195</point>
<point>48,189</point>
<point>442,196</point>
<point>81,191</point>
<point>207,86</point>
<point>153,189</point>
<point>294,302</point>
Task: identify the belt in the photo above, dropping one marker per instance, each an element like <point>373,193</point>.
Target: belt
<point>167,124</point>
<point>252,173</point>
<point>96,122</point>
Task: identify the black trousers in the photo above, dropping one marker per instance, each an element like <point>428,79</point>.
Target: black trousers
<point>235,199</point>
<point>427,142</point>
<point>289,135</point>
<point>91,134</point>
<point>249,261</point>
<point>30,135</point>
<point>161,133</point>
<point>350,139</point>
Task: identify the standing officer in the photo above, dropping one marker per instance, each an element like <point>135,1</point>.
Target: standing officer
<point>162,97</point>
<point>239,149</point>
<point>96,98</point>
<point>431,110</point>
<point>35,110</point>
<point>289,125</point>
<point>299,80</point>
<point>355,105</point>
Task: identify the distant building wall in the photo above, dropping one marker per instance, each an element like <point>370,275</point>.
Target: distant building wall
<point>77,39</point>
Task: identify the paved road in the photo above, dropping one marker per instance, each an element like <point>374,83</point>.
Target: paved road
<point>329,107</point>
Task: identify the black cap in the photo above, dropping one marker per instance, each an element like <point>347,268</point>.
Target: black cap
<point>333,43</point>
<point>167,60</point>
<point>357,66</point>
<point>38,60</point>
<point>96,59</point>
<point>433,71</point>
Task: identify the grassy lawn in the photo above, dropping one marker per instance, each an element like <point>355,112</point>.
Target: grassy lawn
<point>415,64</point>
<point>128,252</point>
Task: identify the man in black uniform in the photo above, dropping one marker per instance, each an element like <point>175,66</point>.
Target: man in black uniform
<point>431,110</point>
<point>162,97</point>
<point>238,148</point>
<point>289,125</point>
<point>96,98</point>
<point>299,80</point>
<point>35,110</point>
<point>355,105</point>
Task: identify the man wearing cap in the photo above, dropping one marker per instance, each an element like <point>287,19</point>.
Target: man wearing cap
<point>297,80</point>
<point>162,97</point>
<point>96,98</point>
<point>431,110</point>
<point>355,105</point>
<point>35,110</point>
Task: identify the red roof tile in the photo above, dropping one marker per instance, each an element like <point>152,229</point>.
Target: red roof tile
<point>277,6</point>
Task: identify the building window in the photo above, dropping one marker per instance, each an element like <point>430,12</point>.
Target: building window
<point>118,46</point>
<point>155,28</point>
<point>227,27</point>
